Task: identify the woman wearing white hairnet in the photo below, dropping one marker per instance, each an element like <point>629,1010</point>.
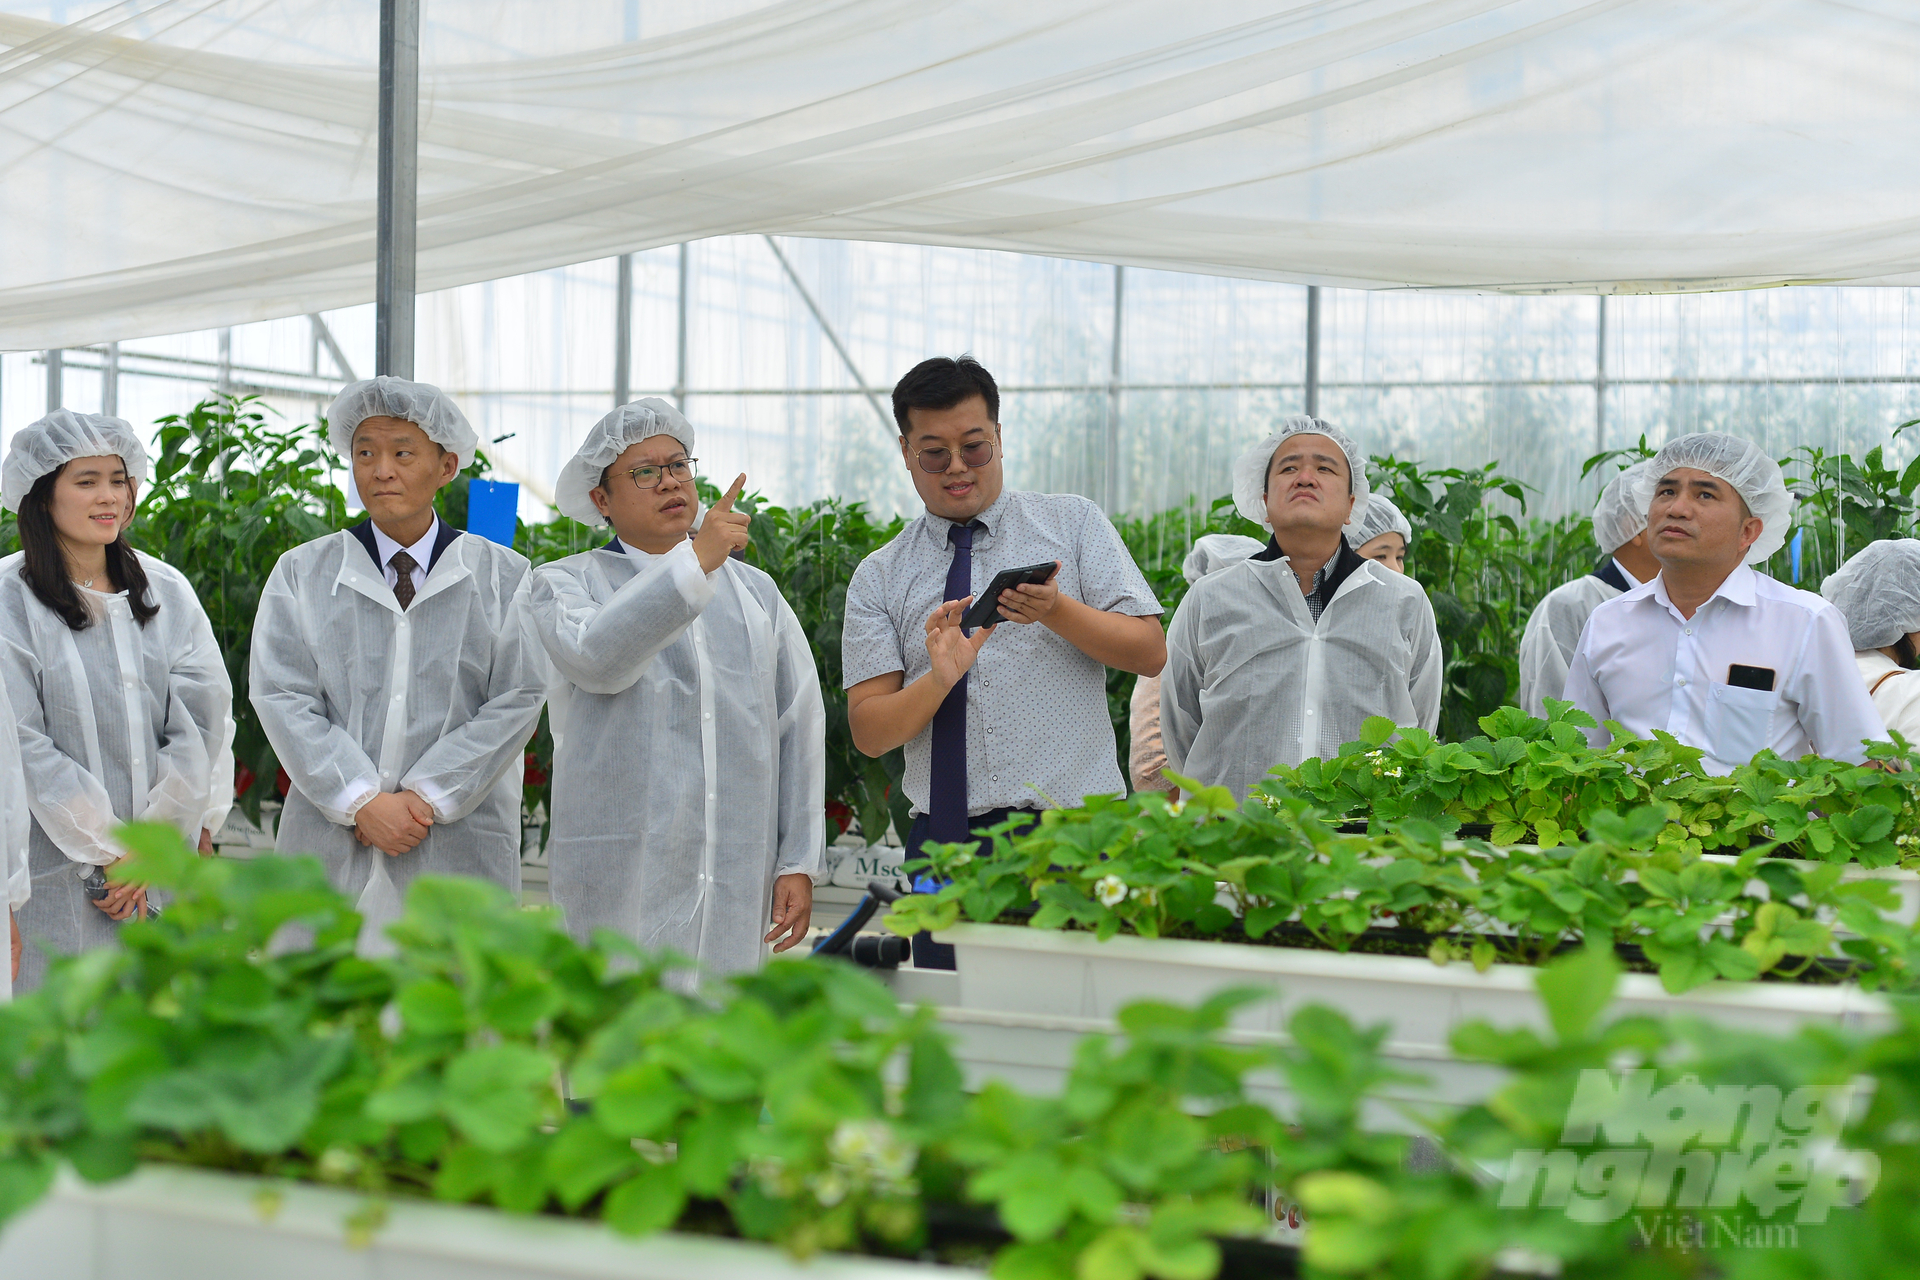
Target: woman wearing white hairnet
<point>1723,658</point>
<point>1878,592</point>
<point>1554,627</point>
<point>1146,755</point>
<point>390,670</point>
<point>124,707</point>
<point>1380,533</point>
<point>1283,655</point>
<point>689,757</point>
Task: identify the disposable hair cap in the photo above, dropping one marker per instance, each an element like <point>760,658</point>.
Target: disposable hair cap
<point>421,403</point>
<point>1742,464</point>
<point>1379,516</point>
<point>1616,520</point>
<point>1250,468</point>
<point>1878,592</point>
<point>1216,551</point>
<point>606,440</point>
<point>60,437</point>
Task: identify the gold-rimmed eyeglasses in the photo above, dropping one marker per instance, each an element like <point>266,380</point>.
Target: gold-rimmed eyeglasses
<point>974,453</point>
<point>650,475</point>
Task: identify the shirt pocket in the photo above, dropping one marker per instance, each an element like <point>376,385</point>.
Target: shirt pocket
<point>1739,721</point>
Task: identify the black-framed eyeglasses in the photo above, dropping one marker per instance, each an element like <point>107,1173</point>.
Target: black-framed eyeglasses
<point>650,476</point>
<point>974,453</point>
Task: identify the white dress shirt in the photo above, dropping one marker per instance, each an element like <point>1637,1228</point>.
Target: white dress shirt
<point>421,551</point>
<point>1640,663</point>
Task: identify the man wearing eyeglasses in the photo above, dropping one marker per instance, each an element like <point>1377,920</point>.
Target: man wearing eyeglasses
<point>1012,718</point>
<point>689,735</point>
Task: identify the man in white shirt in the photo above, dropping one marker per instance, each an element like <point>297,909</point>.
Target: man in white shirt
<point>1722,657</point>
<point>1553,629</point>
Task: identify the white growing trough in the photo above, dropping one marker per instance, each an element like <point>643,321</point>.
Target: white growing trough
<point>187,1224</point>
<point>1021,998</point>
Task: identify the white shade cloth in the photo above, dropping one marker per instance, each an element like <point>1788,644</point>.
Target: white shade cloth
<point>1642,664</point>
<point>1252,680</point>
<point>116,723</point>
<point>689,750</point>
<point>211,166</point>
<point>358,696</point>
<point>59,438</point>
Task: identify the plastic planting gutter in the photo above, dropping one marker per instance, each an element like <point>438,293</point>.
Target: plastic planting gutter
<point>1022,997</point>
<point>171,1222</point>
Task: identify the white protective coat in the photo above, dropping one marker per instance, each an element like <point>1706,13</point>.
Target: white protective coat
<point>1553,631</point>
<point>1252,681</point>
<point>689,765</point>
<point>15,823</point>
<point>117,723</point>
<point>358,696</point>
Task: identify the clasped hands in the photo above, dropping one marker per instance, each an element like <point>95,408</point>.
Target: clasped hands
<point>953,652</point>
<point>394,822</point>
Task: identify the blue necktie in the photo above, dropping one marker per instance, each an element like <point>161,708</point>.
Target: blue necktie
<point>947,778</point>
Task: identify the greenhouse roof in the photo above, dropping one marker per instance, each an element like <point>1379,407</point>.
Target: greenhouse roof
<point>176,164</point>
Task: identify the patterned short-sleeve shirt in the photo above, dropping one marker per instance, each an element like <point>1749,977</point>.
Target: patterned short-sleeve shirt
<point>1038,731</point>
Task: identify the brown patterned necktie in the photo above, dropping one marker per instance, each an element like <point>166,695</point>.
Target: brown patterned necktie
<point>404,565</point>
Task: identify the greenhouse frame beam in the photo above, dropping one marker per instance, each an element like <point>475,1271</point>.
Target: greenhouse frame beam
<point>325,335</point>
<point>56,366</point>
<point>1115,474</point>
<point>886,419</point>
<point>622,329</point>
<point>396,220</point>
<point>1600,376</point>
<point>680,330</point>
<point>1312,375</point>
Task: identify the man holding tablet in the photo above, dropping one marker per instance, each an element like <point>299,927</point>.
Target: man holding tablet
<point>1008,718</point>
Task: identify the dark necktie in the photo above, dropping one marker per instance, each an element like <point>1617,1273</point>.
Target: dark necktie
<point>947,777</point>
<point>404,565</point>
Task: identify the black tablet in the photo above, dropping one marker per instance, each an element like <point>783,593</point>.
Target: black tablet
<point>985,609</point>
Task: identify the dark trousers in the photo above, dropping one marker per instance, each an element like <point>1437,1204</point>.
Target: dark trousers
<point>928,954</point>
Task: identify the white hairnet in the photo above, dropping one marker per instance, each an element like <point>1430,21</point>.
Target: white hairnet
<point>608,438</point>
<point>1216,551</point>
<point>1742,464</point>
<point>1616,518</point>
<point>1250,468</point>
<point>1878,592</point>
<point>1375,516</point>
<point>58,439</point>
<point>423,404</point>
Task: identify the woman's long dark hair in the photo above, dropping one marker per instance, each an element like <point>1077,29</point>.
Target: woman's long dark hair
<point>45,566</point>
<point>1903,651</point>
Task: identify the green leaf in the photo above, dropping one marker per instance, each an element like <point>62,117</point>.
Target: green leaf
<point>1375,730</point>
<point>1575,988</point>
<point>490,1094</point>
<point>583,1159</point>
<point>652,1200</point>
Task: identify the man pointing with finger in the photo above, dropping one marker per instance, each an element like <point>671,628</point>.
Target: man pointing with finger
<point>689,735</point>
<point>1012,718</point>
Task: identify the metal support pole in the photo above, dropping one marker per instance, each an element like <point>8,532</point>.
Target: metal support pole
<point>1313,351</point>
<point>1600,378</point>
<point>1115,497</point>
<point>55,394</point>
<point>325,337</point>
<point>623,330</point>
<point>680,359</point>
<point>399,187</point>
<point>886,419</point>
<point>110,382</point>
<point>223,375</point>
